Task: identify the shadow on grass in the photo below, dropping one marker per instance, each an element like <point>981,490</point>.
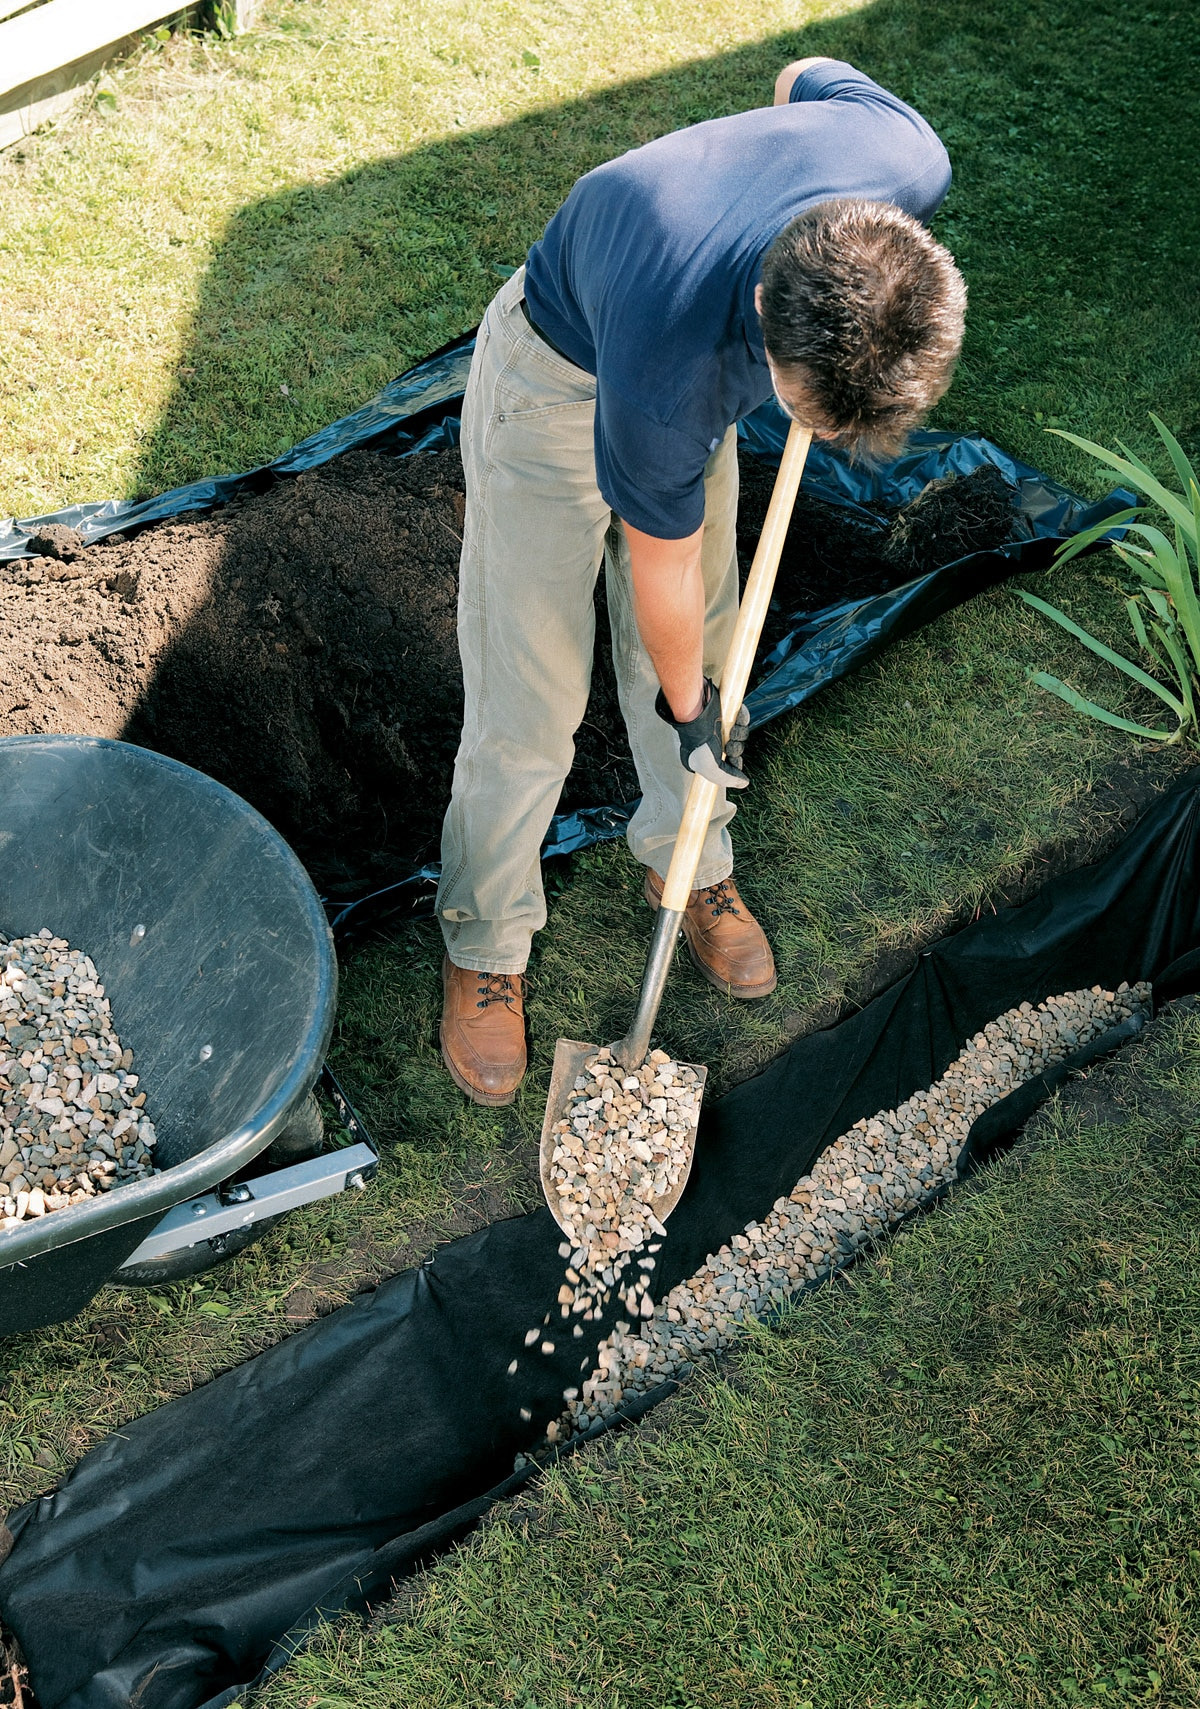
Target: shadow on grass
<point>1063,215</point>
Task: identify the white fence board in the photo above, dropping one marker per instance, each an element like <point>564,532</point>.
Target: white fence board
<point>46,54</point>
<point>42,42</point>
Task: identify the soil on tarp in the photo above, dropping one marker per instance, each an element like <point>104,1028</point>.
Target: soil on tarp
<point>299,644</point>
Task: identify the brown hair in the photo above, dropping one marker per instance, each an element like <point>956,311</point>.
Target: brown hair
<point>862,313</point>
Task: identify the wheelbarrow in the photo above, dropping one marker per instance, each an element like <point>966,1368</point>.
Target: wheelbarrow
<point>214,951</point>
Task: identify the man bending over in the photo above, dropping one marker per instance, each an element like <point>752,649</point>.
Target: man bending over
<point>784,250</point>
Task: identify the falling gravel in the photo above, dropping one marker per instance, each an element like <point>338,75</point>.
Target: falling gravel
<point>72,1114</point>
<point>622,1148</point>
<point>884,1168</point>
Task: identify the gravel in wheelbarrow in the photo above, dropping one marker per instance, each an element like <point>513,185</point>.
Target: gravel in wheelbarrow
<point>216,956</point>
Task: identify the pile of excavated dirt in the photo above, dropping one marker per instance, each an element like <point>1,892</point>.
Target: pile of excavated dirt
<point>299,645</point>
<point>833,552</point>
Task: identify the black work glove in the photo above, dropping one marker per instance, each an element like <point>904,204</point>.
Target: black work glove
<point>700,740</point>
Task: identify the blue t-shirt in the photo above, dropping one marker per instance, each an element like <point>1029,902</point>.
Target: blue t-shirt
<point>645,276</point>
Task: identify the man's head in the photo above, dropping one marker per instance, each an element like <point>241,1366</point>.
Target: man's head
<point>862,318</point>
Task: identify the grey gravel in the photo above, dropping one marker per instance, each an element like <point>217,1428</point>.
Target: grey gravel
<point>73,1121</point>
<point>883,1168</point>
<point>621,1145</point>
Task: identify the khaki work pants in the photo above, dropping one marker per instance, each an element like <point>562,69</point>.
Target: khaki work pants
<point>535,532</point>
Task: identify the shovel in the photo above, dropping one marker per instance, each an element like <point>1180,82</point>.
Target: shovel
<point>569,1054</point>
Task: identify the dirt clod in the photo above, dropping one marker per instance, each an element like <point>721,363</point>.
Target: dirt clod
<point>950,518</point>
<point>56,540</point>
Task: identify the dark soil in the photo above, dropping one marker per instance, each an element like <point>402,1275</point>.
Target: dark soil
<point>833,552</point>
<point>299,644</point>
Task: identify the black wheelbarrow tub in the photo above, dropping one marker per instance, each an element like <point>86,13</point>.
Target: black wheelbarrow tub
<point>217,960</point>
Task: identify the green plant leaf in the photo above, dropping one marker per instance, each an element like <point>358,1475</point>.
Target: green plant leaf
<point>1173,568</point>
<point>1178,658</point>
<point>1079,702</point>
<point>1137,477</point>
<point>1143,639</point>
<point>1159,604</point>
<point>1141,561</point>
<point>1183,468</point>
<point>1186,602</point>
<point>1098,531</point>
<point>1106,653</point>
<point>1138,462</point>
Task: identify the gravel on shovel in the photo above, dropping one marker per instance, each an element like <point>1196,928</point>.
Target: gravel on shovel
<point>620,1149</point>
<point>72,1117</point>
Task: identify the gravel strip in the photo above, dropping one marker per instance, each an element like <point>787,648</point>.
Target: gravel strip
<point>72,1118</point>
<point>886,1166</point>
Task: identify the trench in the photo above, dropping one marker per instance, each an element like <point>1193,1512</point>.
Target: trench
<point>199,1543</point>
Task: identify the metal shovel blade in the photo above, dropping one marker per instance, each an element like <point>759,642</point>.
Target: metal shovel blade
<point>569,1058</point>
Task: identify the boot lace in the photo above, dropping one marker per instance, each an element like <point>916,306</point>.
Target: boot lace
<point>718,900</point>
<point>496,988</point>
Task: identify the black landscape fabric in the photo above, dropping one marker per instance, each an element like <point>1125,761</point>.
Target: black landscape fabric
<point>177,1557</point>
<point>419,411</point>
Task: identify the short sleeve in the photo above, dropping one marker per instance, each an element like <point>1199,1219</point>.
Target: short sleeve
<point>831,78</point>
<point>917,167</point>
<point>651,474</point>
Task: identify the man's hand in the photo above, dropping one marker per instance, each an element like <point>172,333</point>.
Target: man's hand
<point>700,747</point>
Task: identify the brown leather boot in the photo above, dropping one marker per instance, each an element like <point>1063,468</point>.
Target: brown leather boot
<point>483,1032</point>
<point>723,938</point>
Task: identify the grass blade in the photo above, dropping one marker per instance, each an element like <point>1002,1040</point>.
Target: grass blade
<point>1106,653</point>
<point>1080,703</point>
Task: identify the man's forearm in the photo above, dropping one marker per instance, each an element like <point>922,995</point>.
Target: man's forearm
<point>668,603</point>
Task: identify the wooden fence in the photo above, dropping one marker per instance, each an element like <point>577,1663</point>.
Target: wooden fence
<point>50,48</point>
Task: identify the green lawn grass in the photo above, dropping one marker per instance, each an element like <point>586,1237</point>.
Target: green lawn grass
<point>317,205</point>
<point>965,1479</point>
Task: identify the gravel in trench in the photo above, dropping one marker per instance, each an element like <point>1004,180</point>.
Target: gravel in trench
<point>72,1114</point>
<point>885,1167</point>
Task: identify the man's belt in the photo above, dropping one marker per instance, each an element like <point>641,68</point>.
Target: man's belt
<point>534,327</point>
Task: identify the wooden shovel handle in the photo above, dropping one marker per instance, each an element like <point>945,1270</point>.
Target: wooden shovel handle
<point>735,676</point>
